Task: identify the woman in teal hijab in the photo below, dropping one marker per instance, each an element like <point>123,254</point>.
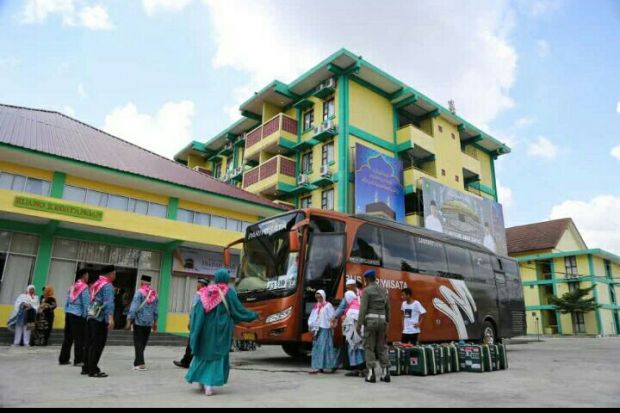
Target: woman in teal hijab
<point>211,332</point>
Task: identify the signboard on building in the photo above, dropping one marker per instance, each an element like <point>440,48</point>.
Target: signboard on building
<point>464,216</point>
<point>379,186</point>
<point>201,262</point>
<point>58,208</point>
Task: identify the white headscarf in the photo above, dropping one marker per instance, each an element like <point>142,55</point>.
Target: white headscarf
<point>26,299</point>
<point>321,314</point>
<point>350,296</point>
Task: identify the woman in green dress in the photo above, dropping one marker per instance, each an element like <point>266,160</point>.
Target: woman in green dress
<point>211,332</point>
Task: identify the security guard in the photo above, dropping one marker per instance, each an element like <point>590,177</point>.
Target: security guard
<point>375,317</point>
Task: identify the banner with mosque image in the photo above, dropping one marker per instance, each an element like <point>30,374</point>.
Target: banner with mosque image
<point>464,216</point>
<point>379,186</point>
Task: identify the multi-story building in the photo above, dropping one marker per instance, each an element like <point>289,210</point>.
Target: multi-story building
<point>72,196</point>
<point>554,260</point>
<point>295,142</point>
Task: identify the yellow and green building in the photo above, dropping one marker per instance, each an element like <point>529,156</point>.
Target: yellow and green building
<point>553,260</point>
<point>295,142</point>
<point>72,196</point>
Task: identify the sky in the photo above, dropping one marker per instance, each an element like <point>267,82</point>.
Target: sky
<point>541,75</point>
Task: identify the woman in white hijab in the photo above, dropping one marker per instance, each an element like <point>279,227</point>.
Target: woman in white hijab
<point>323,351</point>
<point>25,305</point>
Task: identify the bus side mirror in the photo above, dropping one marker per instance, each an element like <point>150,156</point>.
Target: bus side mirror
<point>227,257</point>
<point>293,241</point>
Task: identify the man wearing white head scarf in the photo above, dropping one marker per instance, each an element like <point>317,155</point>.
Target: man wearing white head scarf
<point>323,351</point>
<point>25,304</point>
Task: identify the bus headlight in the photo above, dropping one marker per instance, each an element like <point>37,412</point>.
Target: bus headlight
<point>279,316</point>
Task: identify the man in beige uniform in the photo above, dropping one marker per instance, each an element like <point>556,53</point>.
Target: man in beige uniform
<point>375,317</point>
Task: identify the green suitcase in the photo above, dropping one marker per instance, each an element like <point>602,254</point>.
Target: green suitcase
<point>396,362</point>
<point>430,360</point>
<point>452,353</point>
<point>494,350</point>
<point>417,364</point>
<point>471,358</point>
<point>503,357</point>
<point>486,358</point>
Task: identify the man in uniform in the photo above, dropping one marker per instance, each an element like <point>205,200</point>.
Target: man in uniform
<point>375,317</point>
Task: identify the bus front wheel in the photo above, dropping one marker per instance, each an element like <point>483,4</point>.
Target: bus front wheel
<point>298,351</point>
<point>489,335</point>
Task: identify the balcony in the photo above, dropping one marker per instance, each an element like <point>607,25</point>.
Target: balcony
<point>413,176</point>
<point>277,136</point>
<point>470,164</point>
<point>274,177</point>
<point>410,138</point>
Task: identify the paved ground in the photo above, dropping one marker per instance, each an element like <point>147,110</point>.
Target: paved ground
<point>558,372</point>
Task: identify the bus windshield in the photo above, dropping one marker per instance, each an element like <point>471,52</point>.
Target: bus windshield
<point>268,264</point>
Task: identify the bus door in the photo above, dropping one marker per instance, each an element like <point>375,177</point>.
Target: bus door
<point>503,298</point>
<point>324,266</point>
<point>516,308</point>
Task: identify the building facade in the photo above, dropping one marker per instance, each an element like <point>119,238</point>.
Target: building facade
<point>296,142</point>
<point>554,260</point>
<point>74,197</point>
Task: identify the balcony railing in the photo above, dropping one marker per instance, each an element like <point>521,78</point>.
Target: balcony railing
<point>281,122</point>
<point>470,163</point>
<point>410,136</point>
<point>269,174</point>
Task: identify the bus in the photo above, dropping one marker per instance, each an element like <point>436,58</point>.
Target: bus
<point>469,292</point>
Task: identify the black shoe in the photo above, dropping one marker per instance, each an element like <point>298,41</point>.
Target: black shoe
<point>100,375</point>
<point>64,364</point>
<point>371,378</point>
<point>84,373</point>
<point>352,374</point>
<point>181,365</point>
<point>386,376</point>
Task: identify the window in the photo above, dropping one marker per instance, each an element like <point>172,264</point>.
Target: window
<point>367,246</point>
<point>457,178</point>
<point>73,193</point>
<point>217,171</point>
<point>573,286</point>
<point>157,210</point>
<point>218,222</point>
<point>306,202</point>
<point>185,215</point>
<point>570,264</point>
<point>17,259</point>
<point>320,224</point>
<point>329,109</point>
<point>118,202</point>
<point>327,199</point>
<point>138,207</point>
<point>308,120</point>
<point>483,271</point>
<point>327,153</point>
<point>579,323</point>
<point>306,162</point>
<point>245,225</point>
<point>21,183</point>
<point>608,269</point>
<point>96,198</point>
<point>459,262</point>
<point>202,219</point>
<point>399,251</point>
<point>453,136</point>
<point>439,128</point>
<point>443,172</point>
<point>233,225</point>
<point>431,256</point>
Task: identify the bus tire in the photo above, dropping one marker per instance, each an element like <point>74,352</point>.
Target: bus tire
<point>489,333</point>
<point>297,351</point>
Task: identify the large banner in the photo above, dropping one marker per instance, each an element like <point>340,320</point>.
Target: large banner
<point>379,186</point>
<point>200,262</point>
<point>464,216</point>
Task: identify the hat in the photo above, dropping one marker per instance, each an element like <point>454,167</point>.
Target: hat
<point>146,279</point>
<point>351,281</point>
<point>203,281</point>
<point>108,269</point>
<point>370,273</point>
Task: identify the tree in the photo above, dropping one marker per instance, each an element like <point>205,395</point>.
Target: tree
<point>575,301</point>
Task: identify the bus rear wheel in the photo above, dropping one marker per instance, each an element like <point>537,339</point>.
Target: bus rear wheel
<point>489,335</point>
<point>298,351</point>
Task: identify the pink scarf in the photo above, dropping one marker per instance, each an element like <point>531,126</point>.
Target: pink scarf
<point>76,290</point>
<point>145,290</point>
<point>319,306</point>
<point>97,286</point>
<point>210,297</point>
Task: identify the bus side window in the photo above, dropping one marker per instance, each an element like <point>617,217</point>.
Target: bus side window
<point>399,251</point>
<point>367,246</point>
<point>322,225</point>
<point>459,262</point>
<point>431,256</point>
<point>483,270</point>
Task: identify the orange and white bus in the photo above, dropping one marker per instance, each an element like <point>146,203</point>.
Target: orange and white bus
<point>469,292</point>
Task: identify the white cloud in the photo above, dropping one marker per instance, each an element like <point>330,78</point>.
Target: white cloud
<point>71,12</point>
<point>153,6</point>
<point>598,220</point>
<point>81,90</point>
<point>542,48</point>
<point>455,50</point>
<point>615,152</point>
<point>163,133</point>
<point>95,18</point>
<point>506,198</point>
<point>543,148</point>
<point>9,63</point>
<point>524,122</point>
<point>618,107</point>
<point>539,8</point>
<point>69,111</point>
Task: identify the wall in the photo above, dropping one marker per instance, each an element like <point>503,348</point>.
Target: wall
<point>569,242</point>
<point>26,171</point>
<point>371,112</point>
<point>448,154</point>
